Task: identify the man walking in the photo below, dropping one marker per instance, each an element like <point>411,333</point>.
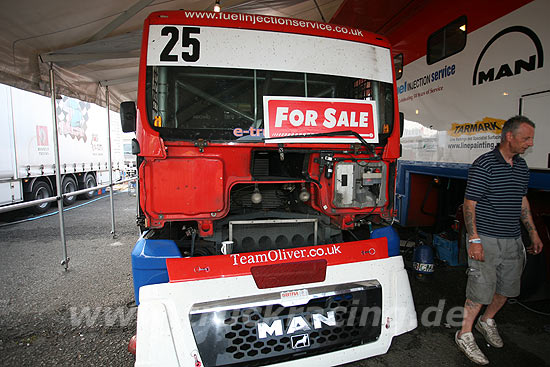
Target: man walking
<point>494,203</point>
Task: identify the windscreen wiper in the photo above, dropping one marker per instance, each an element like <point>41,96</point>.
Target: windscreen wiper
<point>333,133</point>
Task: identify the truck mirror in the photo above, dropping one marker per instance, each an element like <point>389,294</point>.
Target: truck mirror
<point>128,116</point>
<point>135,147</point>
<point>401,123</point>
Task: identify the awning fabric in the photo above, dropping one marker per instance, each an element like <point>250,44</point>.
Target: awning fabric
<point>93,44</point>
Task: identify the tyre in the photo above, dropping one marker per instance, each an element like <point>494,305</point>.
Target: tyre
<point>69,185</point>
<point>40,190</point>
<point>89,181</point>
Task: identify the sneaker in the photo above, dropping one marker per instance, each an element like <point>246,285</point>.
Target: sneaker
<point>489,330</point>
<point>467,344</point>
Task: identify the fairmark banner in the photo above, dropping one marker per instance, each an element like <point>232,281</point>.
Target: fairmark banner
<point>487,125</point>
<point>299,116</point>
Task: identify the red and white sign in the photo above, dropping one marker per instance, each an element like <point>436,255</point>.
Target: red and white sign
<point>223,266</point>
<point>299,116</point>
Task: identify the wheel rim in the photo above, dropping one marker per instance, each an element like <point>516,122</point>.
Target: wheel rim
<point>68,188</point>
<point>90,182</point>
<point>42,193</point>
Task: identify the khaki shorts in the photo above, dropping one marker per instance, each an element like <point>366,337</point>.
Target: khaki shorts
<point>499,273</point>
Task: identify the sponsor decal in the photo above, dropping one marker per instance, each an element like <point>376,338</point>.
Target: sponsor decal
<point>524,63</point>
<point>445,72</point>
<point>275,255</point>
<point>271,23</point>
<point>426,268</point>
<point>199,269</point>
<point>196,358</point>
<point>72,116</point>
<point>487,125</point>
<point>193,268</point>
<point>295,324</point>
<point>42,136</point>
<point>299,116</point>
<point>239,132</point>
<point>302,293</point>
<point>370,251</point>
<point>96,144</point>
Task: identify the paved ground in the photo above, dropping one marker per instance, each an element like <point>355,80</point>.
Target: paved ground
<point>80,317</point>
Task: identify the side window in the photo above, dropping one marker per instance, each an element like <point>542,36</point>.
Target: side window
<point>398,66</point>
<point>447,41</point>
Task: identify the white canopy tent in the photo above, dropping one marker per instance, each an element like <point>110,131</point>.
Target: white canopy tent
<point>89,50</point>
<point>94,44</point>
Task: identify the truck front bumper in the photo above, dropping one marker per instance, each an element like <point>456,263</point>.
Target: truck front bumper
<point>352,315</point>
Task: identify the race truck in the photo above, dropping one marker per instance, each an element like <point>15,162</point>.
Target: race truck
<point>266,151</point>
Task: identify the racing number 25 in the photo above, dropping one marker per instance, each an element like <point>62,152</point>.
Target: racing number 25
<point>186,41</point>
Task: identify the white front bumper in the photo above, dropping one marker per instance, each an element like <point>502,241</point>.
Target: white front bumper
<point>165,337</point>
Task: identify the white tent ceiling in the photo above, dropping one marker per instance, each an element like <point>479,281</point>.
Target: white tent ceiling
<point>93,44</point>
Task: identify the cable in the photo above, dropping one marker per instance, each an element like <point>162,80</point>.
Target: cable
<point>363,216</point>
<point>193,236</point>
<point>514,301</point>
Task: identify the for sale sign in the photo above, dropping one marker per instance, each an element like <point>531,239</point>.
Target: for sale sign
<point>292,119</point>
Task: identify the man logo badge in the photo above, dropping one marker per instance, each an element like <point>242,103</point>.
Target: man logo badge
<point>300,341</point>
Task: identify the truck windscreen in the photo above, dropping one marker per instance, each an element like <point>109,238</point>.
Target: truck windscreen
<point>226,104</point>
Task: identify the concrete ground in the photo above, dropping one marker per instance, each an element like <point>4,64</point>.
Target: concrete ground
<point>82,317</point>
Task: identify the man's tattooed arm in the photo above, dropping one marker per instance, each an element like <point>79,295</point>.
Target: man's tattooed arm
<point>526,217</point>
<point>527,220</point>
<point>470,217</point>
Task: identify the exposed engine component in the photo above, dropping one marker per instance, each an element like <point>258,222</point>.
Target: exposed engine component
<point>271,234</point>
<point>266,196</point>
<point>360,184</point>
<point>256,197</point>
<point>304,194</point>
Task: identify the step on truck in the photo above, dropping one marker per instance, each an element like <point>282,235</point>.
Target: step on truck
<point>266,151</point>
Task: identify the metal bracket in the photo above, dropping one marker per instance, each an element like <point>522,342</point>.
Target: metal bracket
<point>201,144</point>
<point>327,159</point>
<point>140,221</point>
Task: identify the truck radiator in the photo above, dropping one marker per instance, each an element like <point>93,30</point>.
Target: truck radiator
<point>271,234</point>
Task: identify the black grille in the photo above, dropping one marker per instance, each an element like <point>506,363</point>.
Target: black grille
<point>230,337</point>
<point>261,166</point>
<point>265,237</point>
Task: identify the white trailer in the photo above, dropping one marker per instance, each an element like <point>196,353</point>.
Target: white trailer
<point>469,68</point>
<point>27,167</point>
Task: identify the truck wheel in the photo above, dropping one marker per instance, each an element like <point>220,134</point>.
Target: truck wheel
<point>40,190</point>
<point>69,185</point>
<point>89,181</point>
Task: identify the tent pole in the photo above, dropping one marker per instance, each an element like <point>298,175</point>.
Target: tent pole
<point>110,163</point>
<point>65,261</point>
